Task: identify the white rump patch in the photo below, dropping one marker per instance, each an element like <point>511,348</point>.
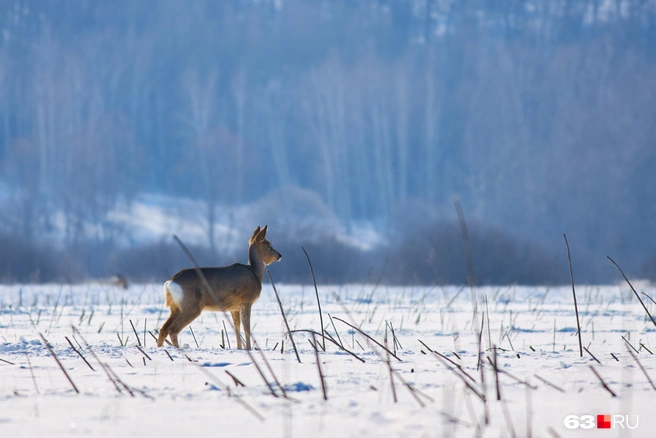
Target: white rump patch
<point>175,290</point>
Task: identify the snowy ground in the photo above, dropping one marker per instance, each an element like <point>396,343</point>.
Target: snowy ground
<point>193,394</point>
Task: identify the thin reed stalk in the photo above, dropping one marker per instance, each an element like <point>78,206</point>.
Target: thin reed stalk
<point>593,356</point>
<point>341,347</point>
<point>634,291</point>
<point>368,337</point>
<point>546,382</point>
<point>642,368</point>
<point>391,373</point>
<point>102,365</point>
<point>576,307</point>
<point>136,335</point>
<point>78,353</point>
<point>29,365</point>
<point>282,311</point>
<point>323,381</point>
<point>45,342</point>
<point>238,399</point>
<point>603,383</point>
<point>462,377</point>
<point>316,291</point>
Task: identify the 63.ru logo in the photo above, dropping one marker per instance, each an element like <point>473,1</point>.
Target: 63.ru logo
<point>602,421</point>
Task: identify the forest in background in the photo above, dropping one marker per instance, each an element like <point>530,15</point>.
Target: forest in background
<point>537,115</point>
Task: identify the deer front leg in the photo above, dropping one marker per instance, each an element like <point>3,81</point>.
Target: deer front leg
<point>246,321</point>
<point>236,321</point>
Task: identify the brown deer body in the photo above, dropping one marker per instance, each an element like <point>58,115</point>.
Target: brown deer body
<point>234,289</point>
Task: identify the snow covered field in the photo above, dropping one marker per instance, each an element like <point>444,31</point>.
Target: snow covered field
<point>192,393</point>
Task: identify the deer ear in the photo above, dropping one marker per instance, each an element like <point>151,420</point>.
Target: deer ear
<point>255,233</point>
<point>262,234</point>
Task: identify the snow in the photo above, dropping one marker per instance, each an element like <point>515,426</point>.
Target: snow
<point>193,394</point>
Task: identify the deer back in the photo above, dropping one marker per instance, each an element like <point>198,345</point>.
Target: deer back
<point>231,286</point>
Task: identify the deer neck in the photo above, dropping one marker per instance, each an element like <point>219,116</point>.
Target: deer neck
<point>256,263</point>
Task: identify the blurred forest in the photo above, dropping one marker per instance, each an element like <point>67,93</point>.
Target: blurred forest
<point>537,115</point>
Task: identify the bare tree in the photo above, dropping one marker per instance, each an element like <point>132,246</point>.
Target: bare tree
<point>239,89</point>
<point>200,117</point>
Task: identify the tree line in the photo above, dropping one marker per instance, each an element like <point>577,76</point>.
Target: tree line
<point>537,115</point>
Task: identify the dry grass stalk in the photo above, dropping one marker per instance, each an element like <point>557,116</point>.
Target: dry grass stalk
<point>235,379</point>
<point>29,365</point>
<point>593,356</point>
<point>603,383</point>
<point>102,365</point>
<point>391,372</point>
<point>468,255</point>
<point>129,389</point>
<point>136,335</point>
<point>368,337</point>
<point>516,379</point>
<point>496,372</point>
<point>652,300</point>
<point>634,291</point>
<point>642,368</point>
<point>546,382</point>
<point>576,307</point>
<point>235,397</point>
<point>458,366</point>
<point>414,391</point>
<point>78,353</point>
<point>282,311</point>
<point>629,344</point>
<point>143,352</point>
<point>341,347</point>
<point>275,378</point>
<point>479,364</point>
<point>323,381</point>
<point>480,341</point>
<point>316,291</point>
<point>227,337</point>
<point>506,414</point>
<point>194,336</point>
<point>335,328</point>
<point>395,340</point>
<point>45,342</point>
<point>529,413</point>
<point>376,351</point>
<point>427,347</point>
<point>643,346</point>
<point>461,377</point>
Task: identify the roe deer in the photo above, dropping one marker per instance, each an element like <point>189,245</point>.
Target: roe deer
<point>234,289</point>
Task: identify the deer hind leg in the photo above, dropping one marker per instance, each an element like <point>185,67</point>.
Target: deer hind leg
<point>166,327</point>
<point>182,321</point>
<point>236,322</point>
<point>246,322</point>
